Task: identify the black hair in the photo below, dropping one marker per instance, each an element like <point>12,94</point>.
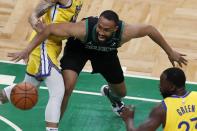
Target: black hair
<point>176,76</point>
<point>110,15</point>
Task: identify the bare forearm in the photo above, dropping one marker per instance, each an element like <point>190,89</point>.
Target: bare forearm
<point>58,30</point>
<point>41,8</point>
<point>155,35</point>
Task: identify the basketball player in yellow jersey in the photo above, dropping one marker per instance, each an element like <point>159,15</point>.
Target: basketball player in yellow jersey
<point>178,110</point>
<point>43,63</point>
<point>46,54</point>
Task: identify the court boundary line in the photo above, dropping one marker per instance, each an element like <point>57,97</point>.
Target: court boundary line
<point>11,124</point>
<point>125,74</point>
<point>99,94</point>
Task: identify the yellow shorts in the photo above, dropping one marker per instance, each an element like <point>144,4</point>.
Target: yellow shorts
<point>40,66</point>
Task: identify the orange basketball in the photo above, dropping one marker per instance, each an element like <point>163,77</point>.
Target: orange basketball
<point>24,96</point>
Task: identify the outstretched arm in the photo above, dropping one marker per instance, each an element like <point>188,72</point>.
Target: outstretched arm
<point>136,31</point>
<point>66,30</point>
<point>156,118</point>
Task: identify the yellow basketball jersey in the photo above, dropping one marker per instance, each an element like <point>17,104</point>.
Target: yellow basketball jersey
<point>181,112</point>
<point>45,56</point>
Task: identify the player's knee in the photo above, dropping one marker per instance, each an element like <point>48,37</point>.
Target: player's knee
<point>122,93</point>
<point>60,96</point>
<point>68,92</point>
<point>62,90</point>
<point>69,88</point>
<point>57,92</point>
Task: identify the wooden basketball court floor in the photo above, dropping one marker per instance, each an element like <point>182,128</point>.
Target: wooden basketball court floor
<point>87,110</point>
<point>175,19</point>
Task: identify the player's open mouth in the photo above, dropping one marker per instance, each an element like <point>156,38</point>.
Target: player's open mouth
<point>101,37</point>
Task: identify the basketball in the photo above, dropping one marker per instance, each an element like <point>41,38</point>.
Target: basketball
<point>24,96</point>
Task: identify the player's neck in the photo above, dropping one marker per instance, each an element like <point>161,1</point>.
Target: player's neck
<point>181,92</point>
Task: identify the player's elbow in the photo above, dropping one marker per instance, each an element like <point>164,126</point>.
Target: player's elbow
<point>150,30</point>
<point>30,20</point>
<point>145,30</point>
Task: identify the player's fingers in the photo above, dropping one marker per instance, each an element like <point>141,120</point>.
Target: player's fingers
<point>20,57</point>
<point>131,107</point>
<point>11,54</point>
<point>184,61</point>
<point>25,60</point>
<point>16,59</point>
<point>172,62</point>
<point>183,54</point>
<point>13,57</point>
<point>180,64</point>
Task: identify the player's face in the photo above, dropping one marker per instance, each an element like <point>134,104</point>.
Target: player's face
<point>166,87</point>
<point>105,28</point>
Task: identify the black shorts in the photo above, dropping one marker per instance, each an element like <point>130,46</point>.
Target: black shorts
<point>106,63</point>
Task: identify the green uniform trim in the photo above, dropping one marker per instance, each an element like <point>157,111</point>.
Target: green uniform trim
<point>86,36</point>
<point>121,32</point>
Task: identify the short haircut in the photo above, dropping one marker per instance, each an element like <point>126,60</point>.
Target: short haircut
<point>175,76</point>
<point>110,15</point>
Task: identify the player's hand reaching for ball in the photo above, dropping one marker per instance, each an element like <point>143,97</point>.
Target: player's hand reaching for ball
<point>128,113</point>
<point>17,56</point>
